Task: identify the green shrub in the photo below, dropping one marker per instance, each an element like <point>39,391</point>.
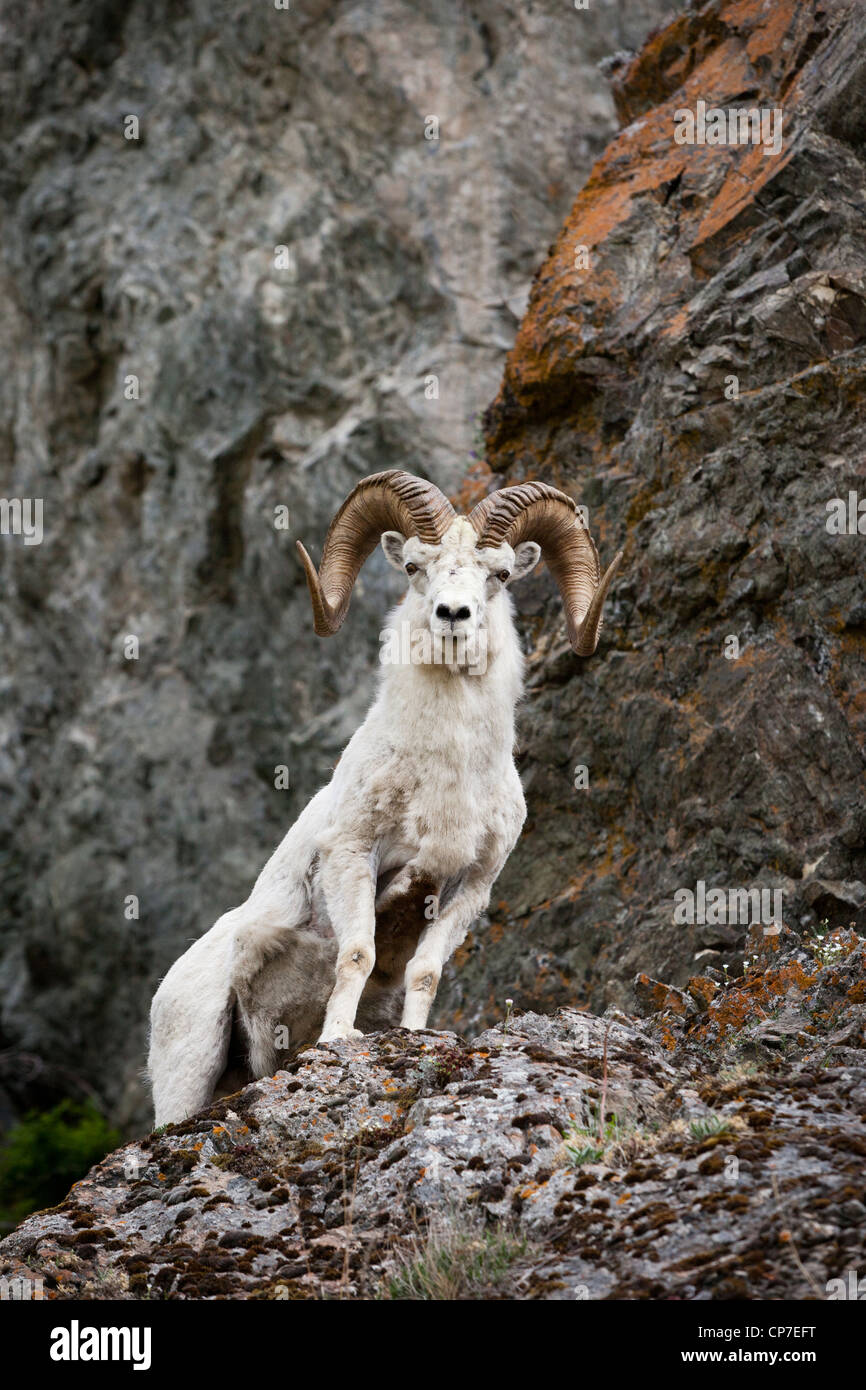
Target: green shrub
<point>46,1152</point>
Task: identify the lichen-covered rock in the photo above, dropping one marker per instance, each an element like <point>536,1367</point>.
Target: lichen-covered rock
<point>692,368</point>
<point>653,996</point>
<point>718,1154</point>
<point>799,999</point>
<point>722,724</point>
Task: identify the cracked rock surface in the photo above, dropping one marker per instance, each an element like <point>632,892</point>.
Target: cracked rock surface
<point>728,1163</point>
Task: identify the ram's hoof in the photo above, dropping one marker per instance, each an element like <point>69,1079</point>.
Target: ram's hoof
<point>340,1032</point>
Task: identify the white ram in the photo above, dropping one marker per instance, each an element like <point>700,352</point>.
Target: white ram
<point>381,876</point>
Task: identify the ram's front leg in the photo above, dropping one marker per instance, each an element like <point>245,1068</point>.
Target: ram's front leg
<point>440,940</point>
<point>348,881</point>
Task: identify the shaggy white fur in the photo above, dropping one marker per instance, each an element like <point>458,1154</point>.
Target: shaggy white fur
<point>378,881</point>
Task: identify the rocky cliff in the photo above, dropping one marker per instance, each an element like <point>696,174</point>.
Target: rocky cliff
<point>691,366</point>
<point>713,1151</point>
<point>241,266</point>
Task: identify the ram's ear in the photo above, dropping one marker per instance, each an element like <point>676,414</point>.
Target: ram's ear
<point>526,557</point>
<point>392,544</point>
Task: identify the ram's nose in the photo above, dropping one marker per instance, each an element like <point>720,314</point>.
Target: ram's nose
<point>452,615</point>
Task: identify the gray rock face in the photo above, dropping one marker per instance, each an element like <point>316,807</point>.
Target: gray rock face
<point>239,309</point>
<point>691,368</point>
<point>695,1155</point>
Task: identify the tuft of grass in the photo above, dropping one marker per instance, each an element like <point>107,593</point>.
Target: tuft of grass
<point>107,1283</point>
<point>457,1257</point>
<point>442,1065</point>
<point>741,1071</point>
<point>708,1126</point>
<point>590,1141</point>
<point>585,1153</point>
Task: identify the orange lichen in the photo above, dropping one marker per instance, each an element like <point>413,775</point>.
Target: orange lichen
<point>745,47</point>
<point>475,485</point>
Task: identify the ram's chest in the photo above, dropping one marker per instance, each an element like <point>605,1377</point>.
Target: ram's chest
<point>439,803</point>
<point>440,839</point>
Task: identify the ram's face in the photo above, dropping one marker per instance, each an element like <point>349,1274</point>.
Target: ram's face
<point>453,583</point>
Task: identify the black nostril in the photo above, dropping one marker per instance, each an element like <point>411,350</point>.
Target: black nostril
<point>451,615</point>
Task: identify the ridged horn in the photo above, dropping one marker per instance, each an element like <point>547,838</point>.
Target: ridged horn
<point>538,512</point>
<point>390,501</point>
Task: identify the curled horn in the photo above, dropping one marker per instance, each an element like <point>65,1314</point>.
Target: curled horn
<point>537,512</point>
<point>391,501</point>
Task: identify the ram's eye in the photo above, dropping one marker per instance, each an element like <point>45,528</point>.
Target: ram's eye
<point>503,575</point>
<point>411,569</point>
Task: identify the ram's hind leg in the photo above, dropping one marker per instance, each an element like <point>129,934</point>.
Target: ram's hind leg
<point>282,1006</point>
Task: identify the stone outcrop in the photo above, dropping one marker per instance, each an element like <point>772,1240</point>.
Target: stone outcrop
<point>710,1151</point>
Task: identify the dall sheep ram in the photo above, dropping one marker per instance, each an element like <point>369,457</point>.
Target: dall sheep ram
<point>381,876</point>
